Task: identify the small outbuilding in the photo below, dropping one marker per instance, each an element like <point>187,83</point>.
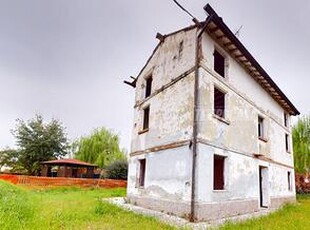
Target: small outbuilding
<point>68,168</point>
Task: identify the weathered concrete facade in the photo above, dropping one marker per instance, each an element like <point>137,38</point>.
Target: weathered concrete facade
<point>251,140</point>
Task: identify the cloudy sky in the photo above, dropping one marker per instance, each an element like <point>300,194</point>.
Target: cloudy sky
<point>67,59</point>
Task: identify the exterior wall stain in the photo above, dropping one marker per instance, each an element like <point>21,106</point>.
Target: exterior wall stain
<point>166,145</point>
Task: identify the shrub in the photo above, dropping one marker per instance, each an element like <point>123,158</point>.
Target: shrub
<point>117,170</point>
<point>302,183</point>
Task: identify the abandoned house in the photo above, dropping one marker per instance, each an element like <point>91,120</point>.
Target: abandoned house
<point>211,135</point>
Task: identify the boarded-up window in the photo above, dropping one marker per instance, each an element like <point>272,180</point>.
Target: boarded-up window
<point>289,181</point>
<point>218,172</point>
<point>260,127</point>
<point>148,88</point>
<point>287,143</point>
<point>219,63</point>
<point>142,172</point>
<point>219,103</point>
<point>146,117</point>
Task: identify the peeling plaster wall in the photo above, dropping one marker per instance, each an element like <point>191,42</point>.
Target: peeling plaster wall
<point>173,57</point>
<point>245,101</point>
<point>167,175</point>
<point>170,119</point>
<point>168,172</point>
<point>171,110</point>
<point>241,177</point>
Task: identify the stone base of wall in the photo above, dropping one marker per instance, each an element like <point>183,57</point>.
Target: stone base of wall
<point>214,211</point>
<point>207,212</point>
<point>181,209</point>
<point>277,202</point>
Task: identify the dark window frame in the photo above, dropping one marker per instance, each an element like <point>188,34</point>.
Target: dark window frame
<point>287,143</point>
<point>289,181</point>
<point>219,102</point>
<point>286,119</point>
<point>219,172</point>
<point>219,63</point>
<point>142,170</point>
<point>148,86</point>
<point>146,118</point>
<point>261,127</point>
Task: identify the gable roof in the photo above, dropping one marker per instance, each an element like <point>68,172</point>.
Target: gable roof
<point>219,31</point>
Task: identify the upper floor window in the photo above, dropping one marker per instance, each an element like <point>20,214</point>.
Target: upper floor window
<point>219,63</point>
<point>148,87</point>
<point>219,103</point>
<point>287,143</point>
<point>261,128</point>
<point>146,117</point>
<point>286,119</point>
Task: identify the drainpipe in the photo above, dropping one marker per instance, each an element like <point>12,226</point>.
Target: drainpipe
<point>196,120</point>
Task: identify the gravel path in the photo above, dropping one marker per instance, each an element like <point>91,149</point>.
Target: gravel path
<point>180,222</point>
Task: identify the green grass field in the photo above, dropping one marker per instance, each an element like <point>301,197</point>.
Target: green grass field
<point>295,216</point>
<point>63,208</point>
<point>74,208</point>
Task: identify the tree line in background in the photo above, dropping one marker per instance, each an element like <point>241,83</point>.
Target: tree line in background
<point>101,148</point>
<point>301,145</point>
<point>39,141</point>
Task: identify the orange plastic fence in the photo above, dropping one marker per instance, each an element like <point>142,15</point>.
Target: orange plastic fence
<point>63,181</point>
<point>10,178</point>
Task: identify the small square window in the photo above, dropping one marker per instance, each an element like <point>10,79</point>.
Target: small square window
<point>260,127</point>
<point>142,164</point>
<point>218,172</point>
<point>219,63</point>
<point>148,88</point>
<point>146,117</point>
<point>287,143</point>
<point>219,103</point>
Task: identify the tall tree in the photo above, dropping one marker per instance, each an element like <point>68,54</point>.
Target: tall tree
<point>301,144</point>
<point>101,147</point>
<point>39,141</point>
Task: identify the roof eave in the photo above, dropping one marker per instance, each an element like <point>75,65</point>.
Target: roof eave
<point>224,28</point>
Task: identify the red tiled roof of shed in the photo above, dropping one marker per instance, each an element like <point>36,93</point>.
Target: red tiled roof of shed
<point>68,162</point>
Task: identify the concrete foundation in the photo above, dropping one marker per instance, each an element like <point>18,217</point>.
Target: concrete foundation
<point>208,211</point>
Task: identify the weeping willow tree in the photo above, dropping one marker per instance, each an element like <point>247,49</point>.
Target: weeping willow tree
<point>101,148</point>
<point>301,144</point>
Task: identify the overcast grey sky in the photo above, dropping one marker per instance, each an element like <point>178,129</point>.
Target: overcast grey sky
<point>67,58</point>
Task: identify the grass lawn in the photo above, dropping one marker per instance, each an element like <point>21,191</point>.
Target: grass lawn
<point>75,208</point>
<point>67,209</point>
<point>289,217</point>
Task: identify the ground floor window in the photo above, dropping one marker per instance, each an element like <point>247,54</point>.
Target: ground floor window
<point>218,172</point>
<point>141,178</point>
<point>289,181</point>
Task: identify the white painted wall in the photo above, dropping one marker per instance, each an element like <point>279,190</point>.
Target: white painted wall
<point>245,100</point>
<point>168,61</point>
<point>241,177</point>
<point>168,172</point>
<point>171,116</point>
<point>168,175</point>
